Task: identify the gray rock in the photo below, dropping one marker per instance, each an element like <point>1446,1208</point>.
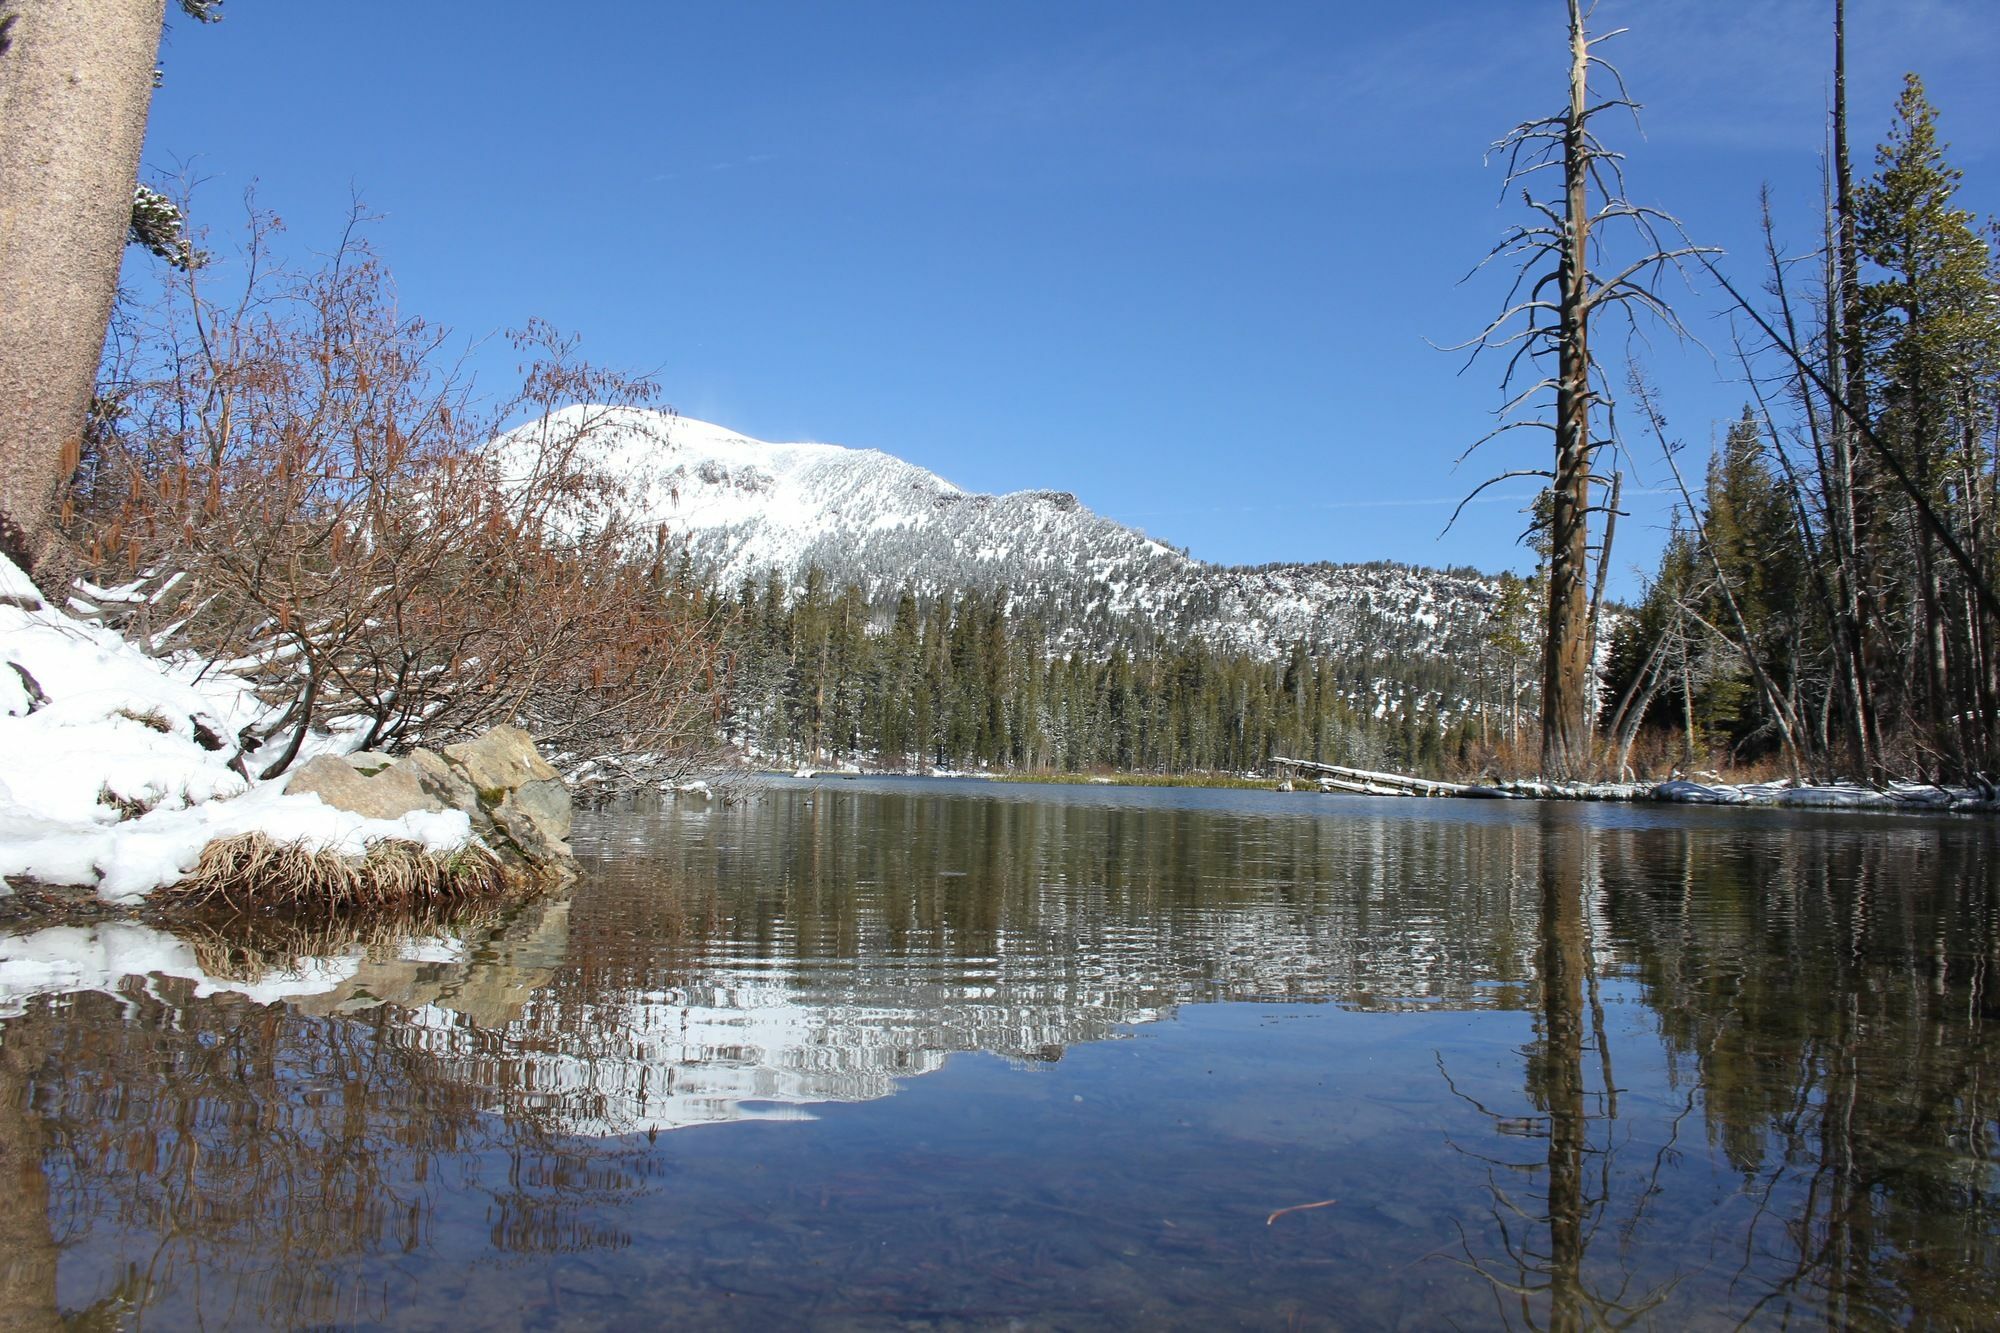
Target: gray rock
<point>497,761</point>
<point>388,794</point>
<point>536,817</point>
<point>518,805</point>
<point>418,781</point>
<point>445,783</point>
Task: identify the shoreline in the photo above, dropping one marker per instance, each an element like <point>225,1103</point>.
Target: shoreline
<point>1898,798</point>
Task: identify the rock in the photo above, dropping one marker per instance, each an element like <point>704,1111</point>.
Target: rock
<point>445,783</point>
<point>498,761</point>
<point>536,818</point>
<point>518,805</point>
<point>337,782</point>
<point>386,790</point>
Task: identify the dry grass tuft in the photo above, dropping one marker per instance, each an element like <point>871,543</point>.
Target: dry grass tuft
<point>252,871</point>
<point>150,718</point>
<point>128,807</point>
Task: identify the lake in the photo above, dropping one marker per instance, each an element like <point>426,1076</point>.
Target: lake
<point>949,1054</point>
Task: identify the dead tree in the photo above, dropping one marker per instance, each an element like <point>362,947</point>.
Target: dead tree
<point>1548,330</point>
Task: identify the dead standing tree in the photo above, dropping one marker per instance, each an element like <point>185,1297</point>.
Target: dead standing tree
<point>1558,253</point>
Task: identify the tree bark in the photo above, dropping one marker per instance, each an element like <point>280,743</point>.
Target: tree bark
<point>75,84</point>
<point>1853,515</point>
<point>1565,665</point>
<point>1597,592</point>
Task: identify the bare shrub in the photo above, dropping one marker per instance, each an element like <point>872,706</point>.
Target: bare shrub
<point>296,484</point>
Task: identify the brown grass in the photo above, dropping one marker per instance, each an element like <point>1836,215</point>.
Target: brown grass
<point>127,807</point>
<point>252,871</point>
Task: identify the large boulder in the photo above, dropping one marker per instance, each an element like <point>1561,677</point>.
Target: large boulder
<point>518,805</point>
<point>525,798</point>
<point>384,790</point>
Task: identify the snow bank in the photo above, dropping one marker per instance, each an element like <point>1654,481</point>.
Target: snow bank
<point>116,768</point>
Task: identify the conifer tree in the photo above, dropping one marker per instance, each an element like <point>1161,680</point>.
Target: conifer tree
<point>1931,334</point>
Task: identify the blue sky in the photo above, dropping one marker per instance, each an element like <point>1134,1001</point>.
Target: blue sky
<point>1182,259</point>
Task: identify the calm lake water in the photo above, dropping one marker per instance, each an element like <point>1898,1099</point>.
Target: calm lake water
<point>883,1054</point>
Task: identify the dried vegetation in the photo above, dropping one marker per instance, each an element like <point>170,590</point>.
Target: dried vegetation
<point>251,871</point>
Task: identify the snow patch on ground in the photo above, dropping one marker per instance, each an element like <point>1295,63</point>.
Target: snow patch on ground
<point>115,767</point>
<point>1824,796</point>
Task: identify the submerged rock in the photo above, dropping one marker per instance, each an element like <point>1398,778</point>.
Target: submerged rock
<point>517,803</point>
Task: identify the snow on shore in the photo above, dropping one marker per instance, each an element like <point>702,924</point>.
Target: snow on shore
<point>1825,796</point>
<point>116,768</point>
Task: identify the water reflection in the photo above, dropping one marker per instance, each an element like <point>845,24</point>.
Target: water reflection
<point>1562,1067</point>
<point>1548,1216</point>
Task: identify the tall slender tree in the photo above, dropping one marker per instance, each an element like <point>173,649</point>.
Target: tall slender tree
<point>1549,330</point>
<point>1930,329</point>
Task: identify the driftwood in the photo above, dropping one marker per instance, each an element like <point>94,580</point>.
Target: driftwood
<point>1367,782</point>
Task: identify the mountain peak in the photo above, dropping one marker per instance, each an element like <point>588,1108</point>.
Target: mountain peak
<point>746,507</point>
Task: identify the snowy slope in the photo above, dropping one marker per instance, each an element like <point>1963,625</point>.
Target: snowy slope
<point>746,507</point>
<point>115,767</point>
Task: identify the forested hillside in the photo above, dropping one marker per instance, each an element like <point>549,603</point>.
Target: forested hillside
<point>744,507</point>
<point>880,614</point>
<point>828,675</point>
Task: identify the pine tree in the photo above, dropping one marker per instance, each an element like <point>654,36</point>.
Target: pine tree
<point>1931,335</point>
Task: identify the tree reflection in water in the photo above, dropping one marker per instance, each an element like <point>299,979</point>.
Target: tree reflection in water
<point>1757,1081</point>
<point>1827,1006</point>
<point>258,1150</point>
<point>1548,1215</point>
<point>1835,1004</point>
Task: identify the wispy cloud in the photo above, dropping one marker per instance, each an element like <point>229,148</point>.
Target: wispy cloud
<point>1724,74</point>
<point>729,164</point>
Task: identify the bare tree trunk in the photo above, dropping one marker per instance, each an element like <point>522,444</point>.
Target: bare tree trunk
<point>1852,388</point>
<point>1565,667</point>
<point>75,84</point>
<point>1638,697</point>
<point>1687,701</point>
<point>1834,459</point>
<point>1934,651</point>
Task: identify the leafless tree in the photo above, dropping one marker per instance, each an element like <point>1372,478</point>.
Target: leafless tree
<point>1563,283</point>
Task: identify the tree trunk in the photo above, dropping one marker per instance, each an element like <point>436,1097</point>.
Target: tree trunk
<point>1854,516</point>
<point>75,83</point>
<point>1565,665</point>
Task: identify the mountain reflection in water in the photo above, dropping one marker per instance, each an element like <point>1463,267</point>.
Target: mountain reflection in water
<point>1559,1066</point>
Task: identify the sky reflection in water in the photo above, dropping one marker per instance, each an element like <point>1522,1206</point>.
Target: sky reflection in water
<point>1072,1057</point>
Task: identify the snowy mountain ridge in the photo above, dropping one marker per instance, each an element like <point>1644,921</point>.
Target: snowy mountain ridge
<point>746,507</point>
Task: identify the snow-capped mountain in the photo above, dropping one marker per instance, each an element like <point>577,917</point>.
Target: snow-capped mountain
<point>746,507</point>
